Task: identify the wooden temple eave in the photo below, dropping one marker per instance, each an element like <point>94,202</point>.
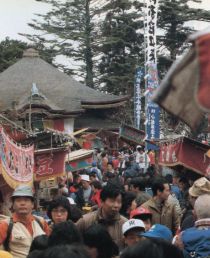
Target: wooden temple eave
<point>50,115</point>
<point>104,106</point>
<point>105,101</point>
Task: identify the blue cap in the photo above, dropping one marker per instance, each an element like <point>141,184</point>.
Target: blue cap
<point>159,231</point>
<point>94,163</point>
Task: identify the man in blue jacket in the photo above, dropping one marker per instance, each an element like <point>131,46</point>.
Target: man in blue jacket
<point>195,241</point>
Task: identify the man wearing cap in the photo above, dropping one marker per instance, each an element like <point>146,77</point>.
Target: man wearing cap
<point>144,215</point>
<point>131,230</point>
<point>84,194</point>
<point>158,231</point>
<point>199,187</point>
<point>96,170</point>
<point>17,233</point>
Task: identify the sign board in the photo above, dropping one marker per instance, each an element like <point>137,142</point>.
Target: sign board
<point>132,134</point>
<point>49,165</point>
<point>187,153</point>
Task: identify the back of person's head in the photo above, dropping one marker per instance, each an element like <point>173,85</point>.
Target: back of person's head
<point>110,191</point>
<point>97,185</point>
<point>64,233</point>
<point>152,248</point>
<point>92,174</point>
<point>169,178</point>
<point>184,181</point>
<point>66,251</point>
<point>103,154</point>
<point>127,199</point>
<point>39,243</point>
<point>98,237</point>
<point>202,206</point>
<point>59,201</point>
<point>158,185</point>
<point>76,213</point>
<point>109,175</point>
<point>139,183</point>
<point>35,254</point>
<point>127,164</point>
<point>131,158</point>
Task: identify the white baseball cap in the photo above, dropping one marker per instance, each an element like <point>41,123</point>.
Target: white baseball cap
<point>85,178</point>
<point>132,223</point>
<point>71,200</point>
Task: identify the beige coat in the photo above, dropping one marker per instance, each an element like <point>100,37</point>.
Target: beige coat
<point>114,227</point>
<point>167,216</point>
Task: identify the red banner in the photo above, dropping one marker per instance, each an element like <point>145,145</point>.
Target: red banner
<point>49,165</point>
<point>17,162</point>
<point>185,152</point>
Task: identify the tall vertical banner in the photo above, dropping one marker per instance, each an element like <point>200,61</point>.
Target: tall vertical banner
<point>152,109</point>
<point>137,96</point>
<point>151,29</point>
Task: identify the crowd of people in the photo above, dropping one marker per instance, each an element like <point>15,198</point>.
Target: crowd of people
<point>119,207</point>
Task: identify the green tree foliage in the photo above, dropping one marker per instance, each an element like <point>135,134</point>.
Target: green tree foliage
<point>174,21</point>
<point>122,46</point>
<point>10,52</point>
<point>68,29</point>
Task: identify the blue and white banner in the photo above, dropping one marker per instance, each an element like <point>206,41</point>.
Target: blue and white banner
<point>152,109</point>
<point>153,117</point>
<point>137,96</point>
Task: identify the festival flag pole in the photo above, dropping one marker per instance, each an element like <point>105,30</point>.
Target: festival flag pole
<point>152,130</point>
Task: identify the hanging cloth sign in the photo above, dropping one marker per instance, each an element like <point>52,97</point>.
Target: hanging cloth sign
<point>137,96</point>
<point>187,153</point>
<point>49,165</point>
<point>151,28</point>
<point>152,109</point>
<point>17,162</point>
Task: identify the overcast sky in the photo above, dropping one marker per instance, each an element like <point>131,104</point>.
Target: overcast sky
<point>15,14</point>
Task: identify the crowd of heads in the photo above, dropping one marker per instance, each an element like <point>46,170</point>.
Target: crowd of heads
<point>116,186</point>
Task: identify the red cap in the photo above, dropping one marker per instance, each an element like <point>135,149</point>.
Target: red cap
<point>140,211</point>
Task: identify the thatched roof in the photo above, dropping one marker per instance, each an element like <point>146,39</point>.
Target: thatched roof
<point>60,89</point>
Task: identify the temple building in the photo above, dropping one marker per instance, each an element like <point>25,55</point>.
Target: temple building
<point>38,95</point>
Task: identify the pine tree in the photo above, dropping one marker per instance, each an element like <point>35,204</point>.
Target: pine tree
<point>11,51</point>
<point>121,46</point>
<point>68,29</point>
<point>174,20</point>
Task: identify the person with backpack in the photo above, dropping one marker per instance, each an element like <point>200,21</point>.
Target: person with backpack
<point>18,232</point>
<point>194,241</point>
